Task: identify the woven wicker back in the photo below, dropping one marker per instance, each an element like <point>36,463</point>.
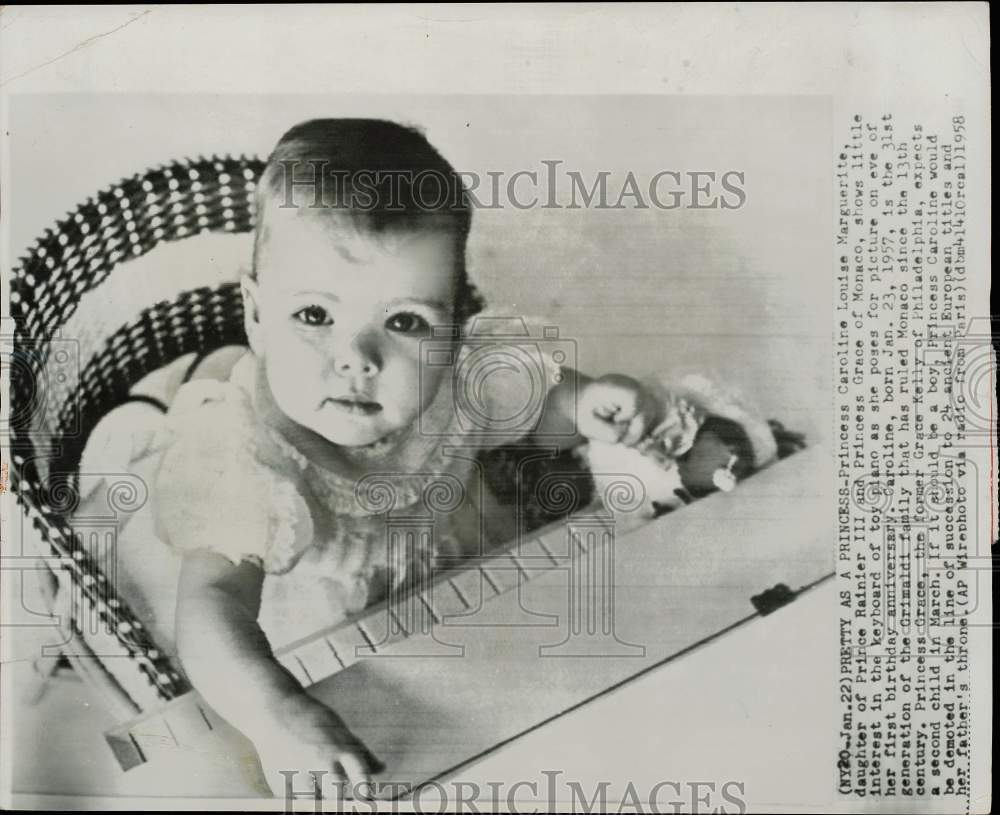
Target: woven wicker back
<point>60,389</point>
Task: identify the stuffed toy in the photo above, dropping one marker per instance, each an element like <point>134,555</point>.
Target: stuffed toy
<point>709,440</point>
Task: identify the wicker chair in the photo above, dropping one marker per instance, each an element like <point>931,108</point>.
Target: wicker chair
<point>61,387</point>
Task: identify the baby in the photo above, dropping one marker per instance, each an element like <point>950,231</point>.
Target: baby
<point>257,486</point>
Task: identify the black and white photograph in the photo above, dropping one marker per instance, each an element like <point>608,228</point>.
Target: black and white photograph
<point>374,442</point>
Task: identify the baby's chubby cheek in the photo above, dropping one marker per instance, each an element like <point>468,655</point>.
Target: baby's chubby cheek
<point>427,385</point>
<point>295,393</point>
<point>405,390</point>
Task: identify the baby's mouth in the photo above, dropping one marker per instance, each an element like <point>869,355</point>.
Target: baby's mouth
<point>355,406</point>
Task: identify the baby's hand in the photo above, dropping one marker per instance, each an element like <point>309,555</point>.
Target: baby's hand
<point>616,409</point>
<point>311,737</point>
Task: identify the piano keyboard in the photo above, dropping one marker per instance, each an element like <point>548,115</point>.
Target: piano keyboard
<point>490,651</point>
<point>462,592</point>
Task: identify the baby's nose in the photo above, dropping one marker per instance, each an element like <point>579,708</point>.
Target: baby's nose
<point>356,361</point>
<point>346,367</point>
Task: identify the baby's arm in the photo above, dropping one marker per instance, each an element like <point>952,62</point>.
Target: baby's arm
<point>228,659</point>
<point>613,408</point>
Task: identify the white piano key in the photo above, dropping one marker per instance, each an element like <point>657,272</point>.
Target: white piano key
<point>317,658</point>
<point>501,574</point>
<point>524,574</point>
<point>426,598</point>
<point>385,624</point>
<point>294,665</point>
<point>153,736</point>
<point>188,721</point>
<point>347,640</point>
<point>495,583</point>
<point>447,599</point>
<point>470,585</point>
<point>557,543</point>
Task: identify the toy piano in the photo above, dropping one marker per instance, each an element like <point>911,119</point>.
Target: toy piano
<point>493,649</point>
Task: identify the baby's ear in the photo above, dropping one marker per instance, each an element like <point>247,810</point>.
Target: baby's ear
<point>251,311</point>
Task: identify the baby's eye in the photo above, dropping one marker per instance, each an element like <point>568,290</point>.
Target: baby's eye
<point>313,315</point>
<point>407,323</point>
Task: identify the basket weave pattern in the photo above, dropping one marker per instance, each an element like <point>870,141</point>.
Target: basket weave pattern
<point>50,420</point>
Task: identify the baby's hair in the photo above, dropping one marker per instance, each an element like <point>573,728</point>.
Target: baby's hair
<point>374,176</point>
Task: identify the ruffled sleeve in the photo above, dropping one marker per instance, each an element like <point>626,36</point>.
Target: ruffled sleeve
<point>221,487</point>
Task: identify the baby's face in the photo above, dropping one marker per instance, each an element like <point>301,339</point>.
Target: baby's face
<point>339,324</point>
